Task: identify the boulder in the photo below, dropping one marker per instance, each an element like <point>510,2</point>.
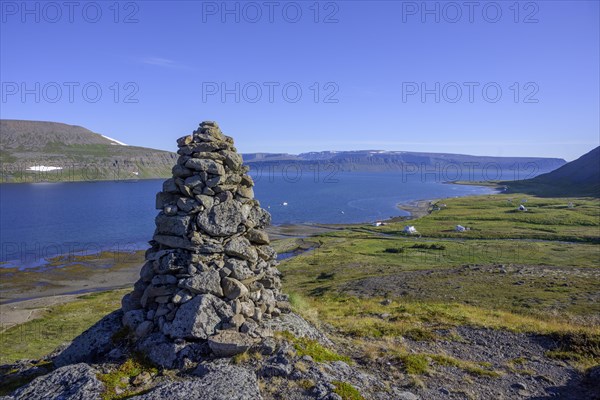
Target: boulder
<point>240,247</point>
<point>204,282</point>
<point>233,289</point>
<point>203,164</point>
<point>222,219</point>
<point>199,317</point>
<point>257,236</point>
<point>229,343</point>
<point>177,225</point>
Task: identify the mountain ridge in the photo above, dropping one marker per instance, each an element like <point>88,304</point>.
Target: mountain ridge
<point>25,144</point>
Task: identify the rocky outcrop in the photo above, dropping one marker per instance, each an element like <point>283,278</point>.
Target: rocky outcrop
<point>210,278</point>
<point>92,344</point>
<point>72,382</point>
<point>222,382</point>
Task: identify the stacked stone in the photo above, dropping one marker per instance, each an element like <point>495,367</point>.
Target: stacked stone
<point>210,276</point>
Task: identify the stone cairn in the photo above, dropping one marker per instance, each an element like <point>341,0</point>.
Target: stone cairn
<point>210,279</point>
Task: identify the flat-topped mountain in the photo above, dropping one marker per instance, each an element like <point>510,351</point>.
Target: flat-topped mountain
<point>382,160</point>
<point>34,151</point>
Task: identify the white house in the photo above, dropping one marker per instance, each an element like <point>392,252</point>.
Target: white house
<point>460,228</point>
<point>410,230</point>
<point>522,208</point>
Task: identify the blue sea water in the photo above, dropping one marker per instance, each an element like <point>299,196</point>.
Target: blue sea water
<point>41,220</point>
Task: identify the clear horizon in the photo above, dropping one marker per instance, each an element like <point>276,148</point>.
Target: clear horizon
<point>493,80</point>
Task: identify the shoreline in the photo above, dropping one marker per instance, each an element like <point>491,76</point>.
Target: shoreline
<point>416,209</point>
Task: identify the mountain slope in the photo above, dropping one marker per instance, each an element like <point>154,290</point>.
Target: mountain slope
<point>34,151</point>
<point>580,177</point>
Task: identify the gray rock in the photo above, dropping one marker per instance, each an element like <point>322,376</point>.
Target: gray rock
<point>175,242</point>
<point>520,386</point>
<point>184,140</point>
<point>132,319</point>
<point>180,171</point>
<point>405,395</point>
<point>239,269</point>
<point>240,247</point>
<point>229,343</point>
<point>144,329</point>
<point>188,205</point>
<point>259,218</point>
<point>170,210</point>
<point>206,201</point>
<point>222,219</point>
<point>298,326</point>
<point>172,225</point>
<point>232,288</point>
<point>246,192</point>
<point>183,296</point>
<point>172,262</point>
<point>210,166</point>
<point>228,382</point>
<point>232,159</point>
<point>193,181</point>
<point>170,186</point>
<point>199,317</point>
<point>159,350</point>
<point>72,382</point>
<point>247,180</point>
<point>93,343</point>
<point>204,282</point>
<point>163,199</point>
<point>258,236</point>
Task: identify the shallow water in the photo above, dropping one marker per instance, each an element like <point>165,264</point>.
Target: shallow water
<point>42,220</point>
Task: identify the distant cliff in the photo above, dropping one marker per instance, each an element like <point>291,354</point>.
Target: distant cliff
<point>34,151</point>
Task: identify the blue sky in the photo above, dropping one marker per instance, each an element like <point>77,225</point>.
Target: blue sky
<point>361,67</point>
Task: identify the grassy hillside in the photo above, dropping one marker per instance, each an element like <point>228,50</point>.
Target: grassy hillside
<point>576,178</point>
<point>75,153</point>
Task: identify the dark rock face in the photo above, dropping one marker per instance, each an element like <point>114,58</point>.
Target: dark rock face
<point>210,268</point>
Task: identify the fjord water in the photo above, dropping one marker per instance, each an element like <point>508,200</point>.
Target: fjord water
<point>41,220</point>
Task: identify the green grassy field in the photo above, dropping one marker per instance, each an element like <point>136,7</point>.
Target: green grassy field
<point>536,271</point>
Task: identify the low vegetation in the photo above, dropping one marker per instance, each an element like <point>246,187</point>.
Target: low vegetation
<point>57,325</point>
<point>127,379</point>
<point>377,292</point>
<point>312,348</point>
